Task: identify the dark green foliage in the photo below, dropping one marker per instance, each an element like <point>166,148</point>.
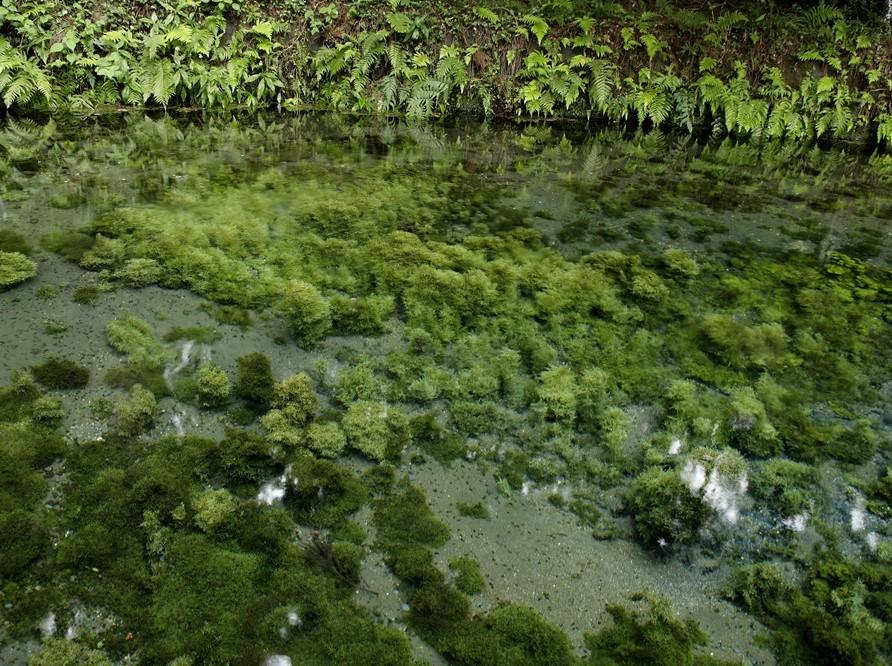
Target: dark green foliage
<point>87,295</point>
<point>476,510</point>
<point>10,241</point>
<point>254,382</point>
<point>434,438</point>
<point>438,608</point>
<point>468,578</point>
<point>655,637</point>
<point>325,494</point>
<point>414,564</point>
<point>196,333</point>
<point>404,518</point>
<point>148,376</point>
<point>664,509</point>
<point>829,619</point>
<point>23,539</point>
<point>58,373</point>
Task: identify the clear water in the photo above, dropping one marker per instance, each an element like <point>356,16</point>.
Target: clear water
<point>507,262</point>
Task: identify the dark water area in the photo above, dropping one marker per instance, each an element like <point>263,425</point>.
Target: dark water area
<point>634,378</point>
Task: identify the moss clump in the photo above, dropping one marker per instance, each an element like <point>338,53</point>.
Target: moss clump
<point>47,410</point>
<point>476,510</point>
<point>11,241</point>
<point>376,429</point>
<point>654,637</point>
<point>63,652</point>
<point>680,263</point>
<point>254,381</point>
<point>664,510</point>
<point>136,414</point>
<point>24,540</point>
<point>557,392</point>
<point>468,577</point>
<point>136,338</point>
<point>325,494</point>
<point>128,376</point>
<point>295,398</point>
<point>838,615</point>
<point>15,268</point>
<point>214,508</point>
<point>414,564</point>
<point>212,385</point>
<point>87,295</point>
<point>307,312</point>
<point>405,518</point>
<point>326,439</point>
<point>361,316</point>
<point>58,373</point>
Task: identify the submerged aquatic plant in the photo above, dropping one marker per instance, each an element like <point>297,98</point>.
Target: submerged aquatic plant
<point>15,268</point>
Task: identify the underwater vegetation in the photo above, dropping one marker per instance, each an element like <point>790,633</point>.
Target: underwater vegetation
<point>699,363</point>
<point>15,268</point>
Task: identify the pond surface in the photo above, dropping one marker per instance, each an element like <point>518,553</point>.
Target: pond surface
<point>612,364</point>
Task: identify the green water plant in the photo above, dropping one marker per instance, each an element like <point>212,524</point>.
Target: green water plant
<point>59,373</point>
<point>213,387</point>
<point>377,430</point>
<point>15,268</point>
<point>136,338</point>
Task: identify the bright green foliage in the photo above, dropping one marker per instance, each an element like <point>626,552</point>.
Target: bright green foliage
<point>377,430</point>
<point>136,414</point>
<point>47,410</point>
<point>58,373</point>
<point>136,338</point>
<point>558,392</point>
<point>15,268</point>
<point>214,508</point>
<point>63,652</point>
<point>655,637</point>
<point>306,311</point>
<point>751,431</point>
<point>326,439</point>
<point>680,263</point>
<point>213,386</point>
<point>295,397</point>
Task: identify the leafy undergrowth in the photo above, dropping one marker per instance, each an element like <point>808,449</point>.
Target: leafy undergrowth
<point>764,69</point>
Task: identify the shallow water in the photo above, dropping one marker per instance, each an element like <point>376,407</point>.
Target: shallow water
<point>483,240</point>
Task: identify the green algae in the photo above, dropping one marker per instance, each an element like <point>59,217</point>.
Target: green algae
<point>445,316</point>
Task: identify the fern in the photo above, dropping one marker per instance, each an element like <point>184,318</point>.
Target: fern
<point>158,81</point>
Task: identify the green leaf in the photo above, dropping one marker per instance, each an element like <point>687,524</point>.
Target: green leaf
<point>399,22</point>
<point>537,26</point>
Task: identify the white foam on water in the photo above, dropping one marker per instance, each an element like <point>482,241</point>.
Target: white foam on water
<point>796,523</point>
<point>724,494</point>
<point>694,476</point>
<point>858,516</point>
<point>185,353</point>
<point>277,660</point>
<point>177,420</point>
<point>274,491</point>
<point>48,625</point>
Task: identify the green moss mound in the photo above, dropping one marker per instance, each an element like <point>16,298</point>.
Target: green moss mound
<point>15,268</point>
